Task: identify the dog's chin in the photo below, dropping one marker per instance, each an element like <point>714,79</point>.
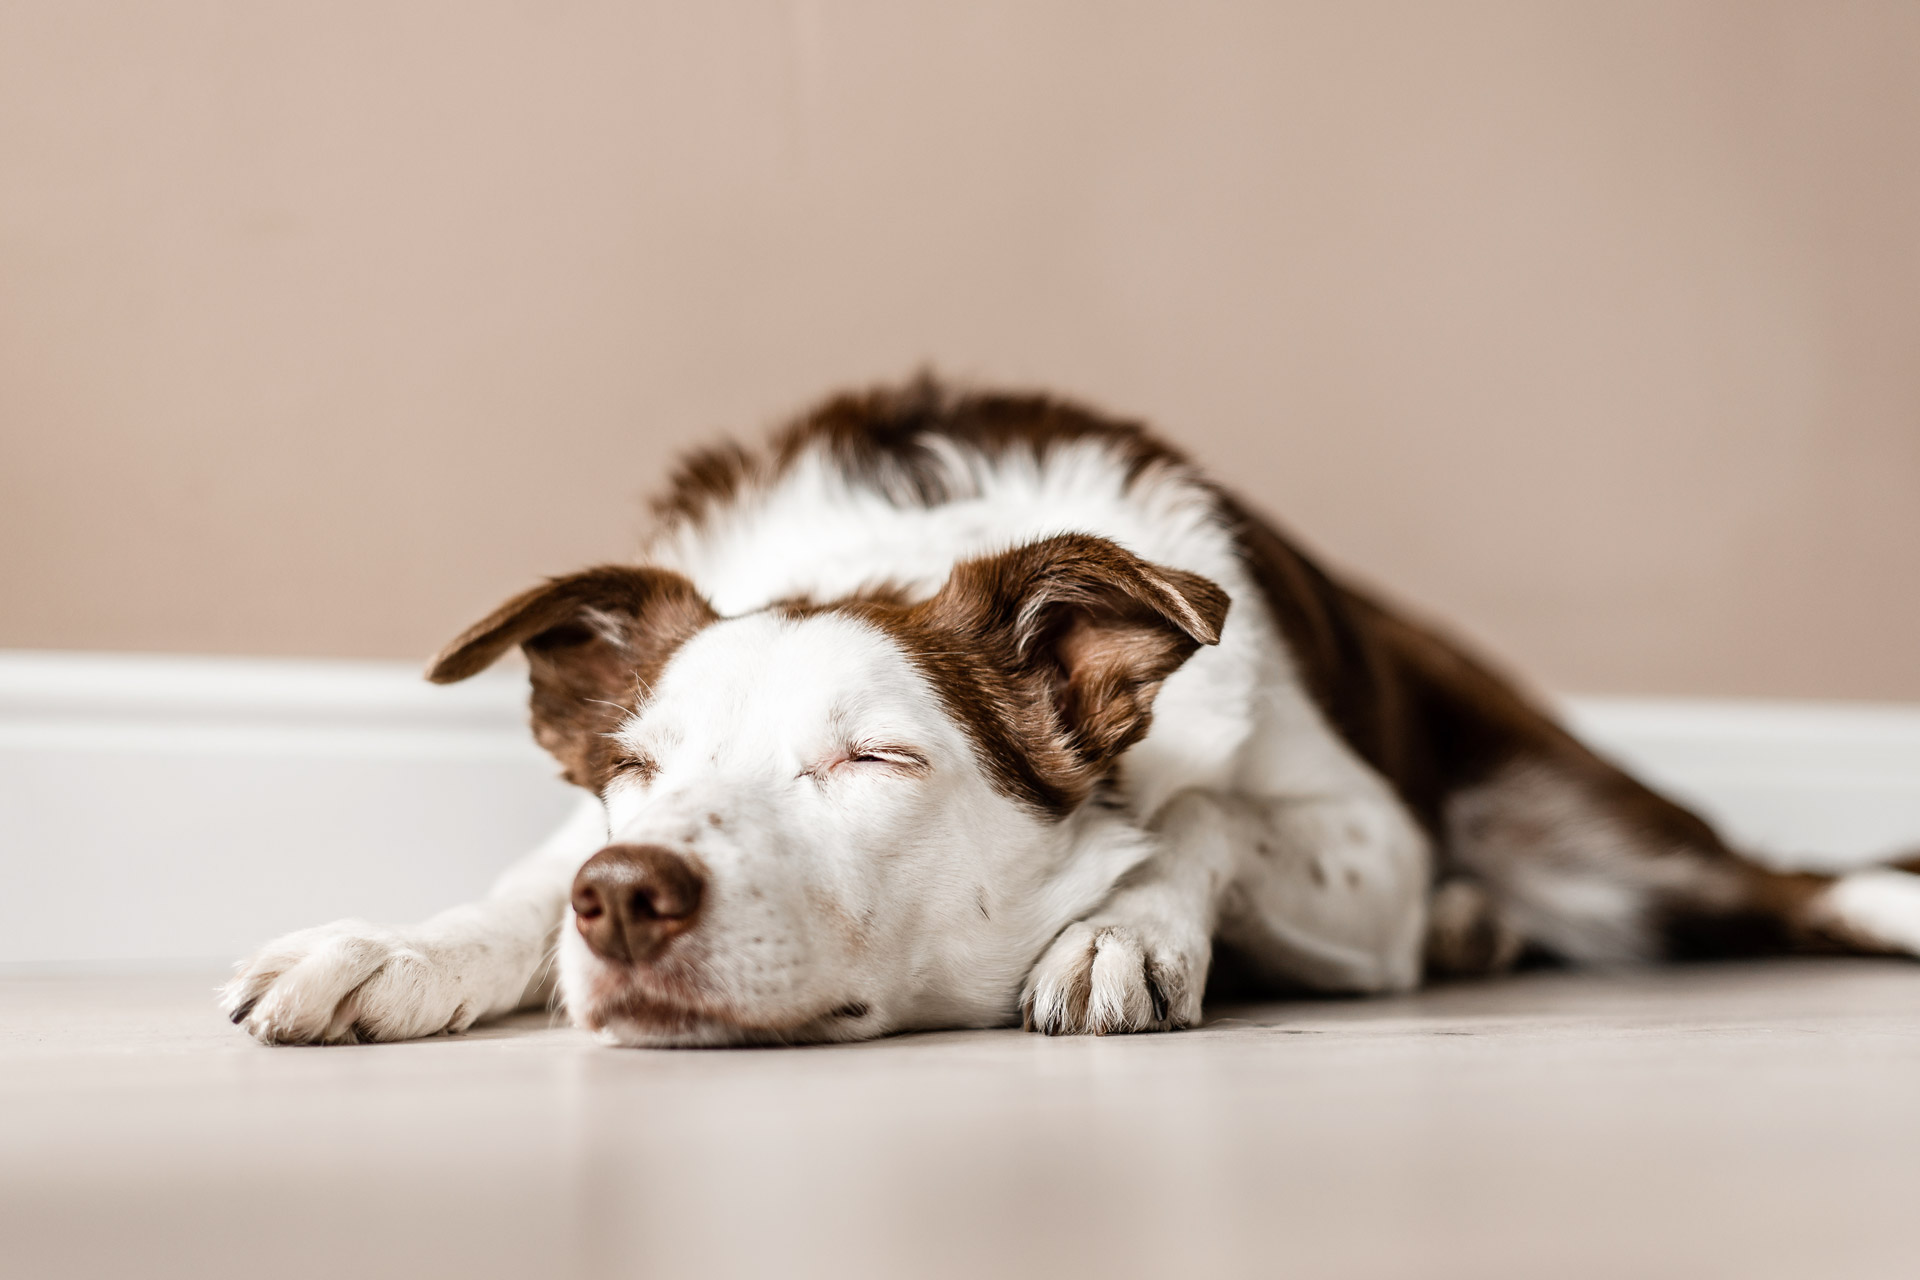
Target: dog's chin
<point>686,1033</point>
<point>644,1022</point>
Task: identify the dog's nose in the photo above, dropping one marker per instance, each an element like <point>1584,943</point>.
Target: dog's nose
<point>630,900</point>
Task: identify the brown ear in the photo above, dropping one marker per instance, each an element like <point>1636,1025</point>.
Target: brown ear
<point>594,642</point>
<point>1090,626</point>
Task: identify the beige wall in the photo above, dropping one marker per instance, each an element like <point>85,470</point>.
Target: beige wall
<point>1593,327</point>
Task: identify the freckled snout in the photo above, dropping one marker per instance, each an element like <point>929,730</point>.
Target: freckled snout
<point>630,900</point>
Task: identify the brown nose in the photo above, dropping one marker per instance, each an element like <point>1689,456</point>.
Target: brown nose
<point>631,899</point>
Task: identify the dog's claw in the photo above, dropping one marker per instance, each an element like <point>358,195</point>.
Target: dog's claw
<point>1156,994</point>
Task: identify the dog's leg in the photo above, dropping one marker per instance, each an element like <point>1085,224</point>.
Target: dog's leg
<point>1468,935</point>
<point>351,981</point>
<point>1138,962</point>
<point>1329,890</point>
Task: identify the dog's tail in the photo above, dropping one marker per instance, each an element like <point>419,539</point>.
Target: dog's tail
<point>1875,909</point>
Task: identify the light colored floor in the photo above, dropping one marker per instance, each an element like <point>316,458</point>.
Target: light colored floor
<point>1759,1120</point>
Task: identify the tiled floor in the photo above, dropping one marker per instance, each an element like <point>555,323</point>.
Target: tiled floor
<point>1740,1121</point>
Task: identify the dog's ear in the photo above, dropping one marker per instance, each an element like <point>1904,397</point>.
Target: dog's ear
<point>594,642</point>
<point>1093,625</point>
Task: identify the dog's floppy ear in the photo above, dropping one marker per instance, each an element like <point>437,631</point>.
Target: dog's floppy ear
<point>1096,627</point>
<point>594,641</point>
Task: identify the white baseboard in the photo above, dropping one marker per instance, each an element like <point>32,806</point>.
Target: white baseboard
<point>167,808</point>
<point>160,808</point>
<point>1816,785</point>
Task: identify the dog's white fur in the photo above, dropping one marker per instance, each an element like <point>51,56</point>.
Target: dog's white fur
<point>849,897</point>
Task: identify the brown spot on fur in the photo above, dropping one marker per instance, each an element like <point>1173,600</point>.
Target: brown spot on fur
<point>705,479</point>
<point>885,439</point>
<point>825,910</point>
<point>595,641</point>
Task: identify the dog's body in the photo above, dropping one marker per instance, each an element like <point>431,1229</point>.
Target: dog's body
<point>954,710</point>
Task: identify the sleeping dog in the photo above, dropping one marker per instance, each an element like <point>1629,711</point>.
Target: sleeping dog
<point>953,709</point>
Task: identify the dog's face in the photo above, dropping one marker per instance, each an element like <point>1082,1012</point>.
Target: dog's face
<point>850,849</point>
<point>830,821</point>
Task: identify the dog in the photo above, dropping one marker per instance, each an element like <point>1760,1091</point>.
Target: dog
<point>955,708</point>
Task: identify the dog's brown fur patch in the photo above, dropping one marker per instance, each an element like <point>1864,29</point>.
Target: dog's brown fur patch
<point>1050,655</point>
<point>595,642</point>
<point>883,438</point>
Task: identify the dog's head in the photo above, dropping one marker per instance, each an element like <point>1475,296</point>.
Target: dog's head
<point>832,820</point>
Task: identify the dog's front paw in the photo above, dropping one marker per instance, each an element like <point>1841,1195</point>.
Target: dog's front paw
<point>343,983</point>
<point>1097,979</point>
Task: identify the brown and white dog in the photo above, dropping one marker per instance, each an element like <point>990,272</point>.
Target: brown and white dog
<point>968,710</point>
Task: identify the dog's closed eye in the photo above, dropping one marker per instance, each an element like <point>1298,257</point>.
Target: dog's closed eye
<point>871,756</point>
<point>639,769</point>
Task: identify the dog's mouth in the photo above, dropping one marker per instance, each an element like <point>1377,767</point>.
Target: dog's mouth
<point>626,1007</point>
<point>627,1013</point>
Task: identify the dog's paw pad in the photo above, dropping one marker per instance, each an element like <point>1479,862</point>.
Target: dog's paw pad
<point>1102,979</point>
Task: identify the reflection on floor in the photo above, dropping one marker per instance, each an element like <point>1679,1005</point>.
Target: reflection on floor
<point>1758,1120</point>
